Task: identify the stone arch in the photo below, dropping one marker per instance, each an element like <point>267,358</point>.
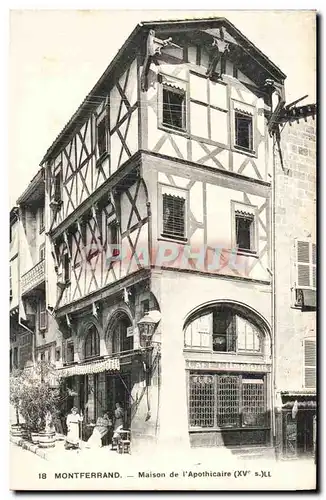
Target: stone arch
<point>82,334</point>
<point>120,315</point>
<point>240,308</point>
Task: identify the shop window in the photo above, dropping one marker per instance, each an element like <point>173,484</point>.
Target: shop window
<point>174,107</point>
<point>227,401</point>
<point>309,363</point>
<point>92,343</point>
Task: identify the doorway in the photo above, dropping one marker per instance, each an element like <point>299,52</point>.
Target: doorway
<point>118,391</point>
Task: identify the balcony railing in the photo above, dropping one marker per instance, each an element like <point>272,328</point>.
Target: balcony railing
<point>33,277</point>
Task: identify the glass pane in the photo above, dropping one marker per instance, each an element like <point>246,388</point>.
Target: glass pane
<point>173,108</point>
<point>219,343</point>
<point>228,414</point>
<point>253,403</point>
<point>173,215</point>
<point>201,401</point>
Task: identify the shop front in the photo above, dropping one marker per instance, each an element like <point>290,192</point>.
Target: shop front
<point>228,365</point>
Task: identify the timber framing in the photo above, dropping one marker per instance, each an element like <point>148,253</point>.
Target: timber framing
<point>103,293</point>
<point>112,182</point>
<point>130,50</point>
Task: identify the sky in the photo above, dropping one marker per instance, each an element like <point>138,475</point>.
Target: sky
<point>56,57</point>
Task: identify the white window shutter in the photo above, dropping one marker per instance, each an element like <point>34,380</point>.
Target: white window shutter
<point>310,363</point>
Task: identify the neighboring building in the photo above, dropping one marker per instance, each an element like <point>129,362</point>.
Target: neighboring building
<point>158,199</point>
<point>295,279</point>
<point>14,288</point>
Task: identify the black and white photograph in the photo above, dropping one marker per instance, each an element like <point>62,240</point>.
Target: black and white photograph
<point>163,250</point>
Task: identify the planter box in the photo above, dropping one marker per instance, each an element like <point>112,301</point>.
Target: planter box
<point>46,439</point>
<point>35,437</point>
<point>16,430</point>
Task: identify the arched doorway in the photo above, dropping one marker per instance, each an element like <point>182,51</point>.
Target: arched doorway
<point>120,342</point>
<point>227,351</point>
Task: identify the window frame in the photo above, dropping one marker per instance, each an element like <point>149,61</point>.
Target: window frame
<point>184,194</point>
<point>251,210</point>
<point>210,347</point>
<point>236,108</point>
<point>185,108</point>
<point>57,197</point>
<point>262,379</point>
<point>92,330</point>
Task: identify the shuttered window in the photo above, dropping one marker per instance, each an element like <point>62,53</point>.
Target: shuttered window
<point>42,315</point>
<point>310,364</point>
<point>306,264</point>
<point>174,213</point>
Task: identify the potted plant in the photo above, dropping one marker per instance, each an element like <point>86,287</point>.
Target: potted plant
<point>15,391</point>
<point>38,404</point>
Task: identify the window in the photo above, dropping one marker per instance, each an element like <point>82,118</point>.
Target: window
<point>41,219</point>
<point>92,342</point>
<point>223,330</point>
<point>227,401</point>
<point>309,364</point>
<point>42,315</point>
<point>245,236</point>
<point>66,268</point>
<point>243,131</point>
<point>243,126</point>
<point>306,264</point>
<point>145,306</point>
<point>101,137</point>
<point>70,352</point>
<point>42,356</point>
<point>42,252</point>
<point>57,354</point>
<point>57,195</point>
<point>174,107</point>
<point>173,213</point>
<point>120,341</point>
<point>15,361</point>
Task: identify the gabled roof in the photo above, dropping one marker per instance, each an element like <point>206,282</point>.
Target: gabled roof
<point>131,47</point>
<point>35,189</point>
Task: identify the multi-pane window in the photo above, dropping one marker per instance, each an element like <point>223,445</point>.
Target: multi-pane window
<point>222,330</point>
<point>310,363</point>
<point>92,343</point>
<point>227,400</point>
<point>243,131</point>
<point>174,107</point>
<point>174,213</point>
<point>306,264</point>
<point>245,231</point>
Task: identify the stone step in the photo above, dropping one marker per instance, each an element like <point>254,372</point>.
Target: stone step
<point>253,452</point>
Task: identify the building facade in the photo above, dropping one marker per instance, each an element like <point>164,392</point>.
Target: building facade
<point>158,197</point>
<point>296,281</point>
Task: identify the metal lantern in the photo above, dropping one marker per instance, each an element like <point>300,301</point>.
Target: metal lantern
<point>146,326</point>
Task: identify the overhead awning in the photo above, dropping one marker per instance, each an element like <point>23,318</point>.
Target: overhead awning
<point>110,364</point>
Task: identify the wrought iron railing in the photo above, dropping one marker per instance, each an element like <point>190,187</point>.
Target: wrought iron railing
<point>33,277</point>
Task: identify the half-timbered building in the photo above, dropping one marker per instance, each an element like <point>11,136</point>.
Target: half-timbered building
<point>159,198</point>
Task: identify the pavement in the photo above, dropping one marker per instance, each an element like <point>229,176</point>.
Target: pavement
<point>264,474</point>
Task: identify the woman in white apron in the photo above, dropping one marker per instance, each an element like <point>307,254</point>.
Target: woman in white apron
<point>73,419</point>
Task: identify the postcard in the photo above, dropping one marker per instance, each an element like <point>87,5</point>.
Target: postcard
<point>163,250</point>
